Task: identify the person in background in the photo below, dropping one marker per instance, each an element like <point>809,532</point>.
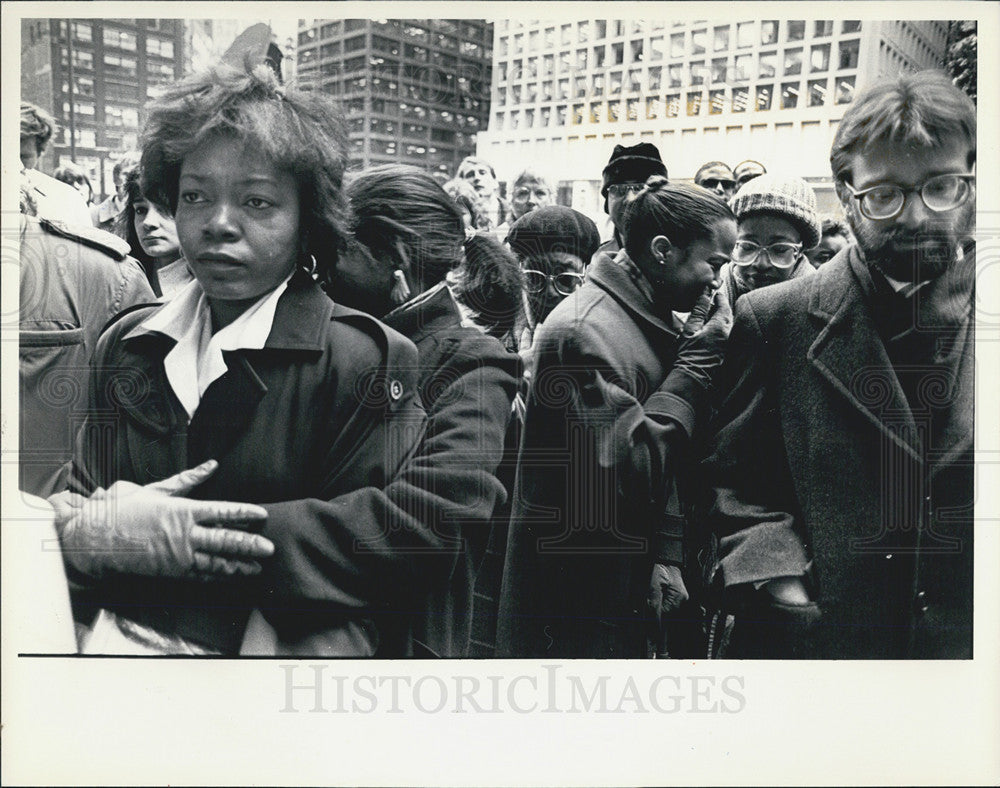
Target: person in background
<point>105,213</point>
<point>467,199</point>
<point>746,171</point>
<point>623,178</point>
<point>493,208</point>
<point>530,191</point>
<point>835,235</point>
<point>596,554</point>
<point>152,235</point>
<point>716,177</point>
<point>52,198</point>
<point>409,235</point>
<point>73,174</point>
<point>777,223</point>
<point>842,465</point>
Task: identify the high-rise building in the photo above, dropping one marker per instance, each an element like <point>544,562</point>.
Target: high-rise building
<point>94,76</point>
<point>565,93</point>
<point>415,91</point>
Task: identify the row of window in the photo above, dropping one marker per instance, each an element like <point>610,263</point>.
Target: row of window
<point>731,67</point>
<point>114,115</point>
<point>692,103</point>
<point>465,29</point>
<point>117,38</point>
<point>719,38</point>
<point>407,111</point>
<point>444,92</point>
<point>377,67</point>
<point>420,131</point>
<point>117,65</point>
<point>412,52</point>
<point>87,138</point>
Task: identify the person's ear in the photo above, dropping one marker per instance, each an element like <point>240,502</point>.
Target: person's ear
<point>662,251</point>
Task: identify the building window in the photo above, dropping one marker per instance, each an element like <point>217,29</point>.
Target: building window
<point>699,39</point>
<point>550,41</point>
<point>581,60</point>
<point>79,108</point>
<point>793,62</point>
<point>353,24</point>
<point>531,70</point>
<point>790,95</point>
<point>119,65</point>
<point>741,99</point>
<point>547,91</point>
<point>546,117</point>
<point>719,70</point>
<point>694,103</point>
<point>618,53</point>
<point>698,71</point>
<point>637,51</point>
<point>158,46</point>
<point>768,62</point>
<point>83,32</point>
<point>81,59</point>
<point>600,29</point>
<point>744,35</point>
<point>849,54</point>
<point>653,78</point>
<point>677,45</point>
<point>598,84</point>
<point>502,46</point>
<point>614,111</point>
<point>619,27</point>
<point>769,32</point>
<point>533,41</point>
<point>498,120</point>
<point>515,94</point>
<point>817,93</point>
<point>716,102</point>
<point>329,30</point>
<point>742,68</point>
<point>675,75</point>
<point>599,56</point>
<point>580,87</point>
<point>531,93</point>
<point>82,86</point>
<point>720,42</point>
<point>822,28</point>
<point>119,38</point>
<point>561,115</point>
<point>548,65</point>
<point>763,98</point>
<point>564,63</point>
<point>529,122</point>
<point>845,90</point>
<point>633,80</point>
<point>566,35</point>
<point>614,83</point>
<point>796,29</point>
<point>819,58</point>
<point>657,48</point>
<point>673,105</point>
<point>652,108</point>
<point>562,89</point>
<point>578,110</point>
<point>632,109</point>
<point>583,32</point>
<point>850,26</point>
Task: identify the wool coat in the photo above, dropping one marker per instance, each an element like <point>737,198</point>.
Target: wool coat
<point>823,466</point>
<point>607,423</point>
<point>329,406</point>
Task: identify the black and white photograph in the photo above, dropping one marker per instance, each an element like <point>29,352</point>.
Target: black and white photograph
<point>543,393</point>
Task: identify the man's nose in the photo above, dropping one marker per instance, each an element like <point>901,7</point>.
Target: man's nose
<point>915,214</point>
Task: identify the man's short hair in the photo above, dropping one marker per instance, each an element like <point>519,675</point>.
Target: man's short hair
<point>37,123</point>
<point>923,109</point>
<point>710,165</point>
<point>475,161</point>
<point>531,176</point>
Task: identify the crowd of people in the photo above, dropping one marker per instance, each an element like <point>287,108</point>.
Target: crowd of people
<point>368,414</point>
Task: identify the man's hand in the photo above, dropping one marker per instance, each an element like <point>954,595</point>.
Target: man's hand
<point>153,530</point>
<point>666,589</point>
<point>701,350</point>
<point>787,591</point>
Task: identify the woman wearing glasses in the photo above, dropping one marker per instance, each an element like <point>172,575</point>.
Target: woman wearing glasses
<point>777,222</point>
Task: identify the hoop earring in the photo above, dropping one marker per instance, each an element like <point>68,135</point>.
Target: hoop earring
<point>400,292</point>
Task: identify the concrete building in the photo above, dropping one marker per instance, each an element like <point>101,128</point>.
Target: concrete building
<point>94,76</point>
<point>415,91</point>
<point>565,93</point>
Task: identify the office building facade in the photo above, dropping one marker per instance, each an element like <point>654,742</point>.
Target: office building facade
<point>773,90</point>
<point>95,76</point>
<point>415,91</point>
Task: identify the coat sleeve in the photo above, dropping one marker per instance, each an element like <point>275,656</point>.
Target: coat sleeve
<point>385,545</point>
<point>751,506</point>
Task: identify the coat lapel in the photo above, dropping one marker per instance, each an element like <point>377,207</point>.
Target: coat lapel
<point>225,409</point>
<point>850,355</point>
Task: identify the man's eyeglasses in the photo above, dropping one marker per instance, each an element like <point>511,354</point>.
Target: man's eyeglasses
<point>713,183</point>
<point>565,283</point>
<point>625,189</point>
<point>780,255</point>
<point>522,194</point>
<point>940,193</point>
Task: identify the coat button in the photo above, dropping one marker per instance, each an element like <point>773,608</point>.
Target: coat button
<point>920,603</point>
<point>395,389</point>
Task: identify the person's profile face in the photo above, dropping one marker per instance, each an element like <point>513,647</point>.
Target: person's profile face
<point>29,152</point>
<point>827,249</point>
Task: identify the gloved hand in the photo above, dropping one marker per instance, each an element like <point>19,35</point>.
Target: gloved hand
<point>152,530</point>
<point>703,340</point>
<point>666,589</point>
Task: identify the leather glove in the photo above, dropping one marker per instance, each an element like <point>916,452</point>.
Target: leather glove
<point>703,340</point>
<point>153,530</point>
<point>666,589</point>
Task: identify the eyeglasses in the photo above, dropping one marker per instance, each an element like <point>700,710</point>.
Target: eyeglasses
<point>625,189</point>
<point>523,194</point>
<point>940,193</point>
<point>565,283</point>
<point>780,255</point>
<point>713,183</point>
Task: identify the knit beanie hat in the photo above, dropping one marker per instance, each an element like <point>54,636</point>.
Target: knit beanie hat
<point>632,164</point>
<point>554,228</point>
<point>791,198</point>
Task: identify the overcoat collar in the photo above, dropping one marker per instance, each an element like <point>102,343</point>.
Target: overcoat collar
<point>615,281</point>
<point>427,313</point>
<point>850,354</point>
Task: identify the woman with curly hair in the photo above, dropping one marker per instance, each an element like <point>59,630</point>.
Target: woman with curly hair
<point>291,402</point>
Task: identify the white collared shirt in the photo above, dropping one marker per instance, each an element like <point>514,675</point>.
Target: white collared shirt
<point>196,361</point>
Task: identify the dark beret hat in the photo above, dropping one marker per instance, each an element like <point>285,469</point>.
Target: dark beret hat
<point>632,164</point>
<point>554,228</point>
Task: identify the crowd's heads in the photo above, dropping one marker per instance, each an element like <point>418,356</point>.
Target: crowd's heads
<point>149,228</point>
<point>554,245</point>
<point>404,221</point>
<point>747,171</point>
<point>835,236</point>
<point>679,235</point>
<point>790,198</point>
<point>74,175</point>
<point>480,174</point>
<point>489,282</point>
<point>903,160</point>
<point>467,200</point>
<point>530,191</point>
<point>716,176</point>
<point>623,177</point>
<point>127,162</point>
<point>296,133</point>
<point>37,128</point>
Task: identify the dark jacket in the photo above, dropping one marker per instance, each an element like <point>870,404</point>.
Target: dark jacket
<point>823,466</point>
<point>328,406</point>
<point>73,281</point>
<point>607,422</point>
<point>467,381</point>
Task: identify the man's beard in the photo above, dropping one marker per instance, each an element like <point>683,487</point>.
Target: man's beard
<point>912,257</point>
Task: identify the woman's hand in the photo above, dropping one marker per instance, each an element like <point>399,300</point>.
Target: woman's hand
<point>153,530</point>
